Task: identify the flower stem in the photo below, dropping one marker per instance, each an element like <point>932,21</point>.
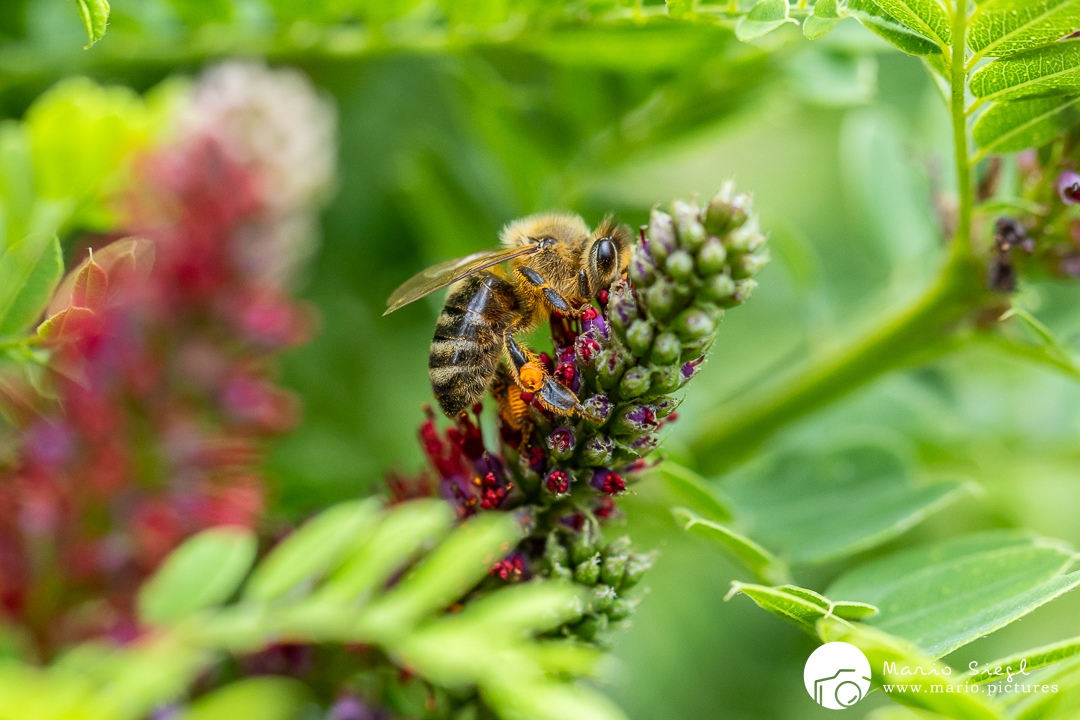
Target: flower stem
<point>925,328</point>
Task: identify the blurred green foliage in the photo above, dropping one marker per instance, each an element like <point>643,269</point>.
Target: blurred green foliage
<point>459,117</point>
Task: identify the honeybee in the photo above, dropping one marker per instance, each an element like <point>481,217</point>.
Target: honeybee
<point>554,264</point>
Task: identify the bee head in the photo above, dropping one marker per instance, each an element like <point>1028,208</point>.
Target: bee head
<point>608,253</point>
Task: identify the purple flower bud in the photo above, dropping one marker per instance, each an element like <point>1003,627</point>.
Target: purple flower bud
<point>690,369</point>
<point>598,449</point>
<point>1068,187</point>
<point>561,443</point>
<point>599,406</point>
<point>350,707</point>
<point>608,482</point>
<point>637,420</point>
<point>557,482</point>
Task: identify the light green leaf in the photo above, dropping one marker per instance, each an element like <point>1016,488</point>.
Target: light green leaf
<point>822,21</point>
<point>400,537</point>
<point>695,490</point>
<point>1049,70</point>
<point>313,549</point>
<point>890,29</point>
<point>679,8</point>
<point>803,607</point>
<point>265,698</point>
<point>446,574</point>
<point>943,596</point>
<point>748,553</point>
<point>1052,705</point>
<point>30,270</point>
<point>1033,659</point>
<point>1014,126</point>
<point>205,571</point>
<point>95,16</point>
<point>763,18</point>
<point>926,17</point>
<point>813,507</point>
<point>1003,27</point>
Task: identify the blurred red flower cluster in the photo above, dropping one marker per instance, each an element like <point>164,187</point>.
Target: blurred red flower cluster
<point>150,422</point>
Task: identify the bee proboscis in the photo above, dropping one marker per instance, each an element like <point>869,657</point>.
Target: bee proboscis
<point>555,265</point>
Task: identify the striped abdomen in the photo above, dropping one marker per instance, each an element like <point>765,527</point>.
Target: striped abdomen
<point>469,340</point>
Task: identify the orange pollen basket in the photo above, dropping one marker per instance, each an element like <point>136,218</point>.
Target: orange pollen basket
<point>532,377</point>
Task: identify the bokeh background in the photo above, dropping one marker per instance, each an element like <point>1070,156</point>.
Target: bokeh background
<point>445,136</point>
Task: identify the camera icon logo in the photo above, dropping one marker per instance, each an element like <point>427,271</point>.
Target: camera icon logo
<point>837,675</point>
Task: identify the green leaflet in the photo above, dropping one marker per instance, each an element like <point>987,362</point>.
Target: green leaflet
<point>802,606</point>
<point>95,16</point>
<point>1050,70</point>
<point>755,558</point>
<point>945,595</point>
<point>1033,659</point>
<point>203,572</point>
<point>695,490</point>
<point>1014,126</point>
<point>266,698</point>
<point>890,29</point>
<point>822,21</point>
<point>30,270</point>
<point>1003,27</point>
<point>762,19</point>
<point>926,17</point>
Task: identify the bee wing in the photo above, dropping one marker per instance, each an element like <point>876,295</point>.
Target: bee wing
<point>439,276</point>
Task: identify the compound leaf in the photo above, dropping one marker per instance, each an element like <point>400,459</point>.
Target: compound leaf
<point>1049,70</point>
<point>1014,126</point>
<point>926,17</point>
<point>763,18</point>
<point>890,29</point>
<point>1003,27</point>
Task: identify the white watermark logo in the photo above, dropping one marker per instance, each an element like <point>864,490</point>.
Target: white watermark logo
<point>837,675</point>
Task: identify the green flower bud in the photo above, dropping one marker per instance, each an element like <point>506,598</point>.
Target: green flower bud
<point>661,236</point>
<point>666,379</point>
<point>727,210</point>
<point>590,627</point>
<point>749,264</point>
<point>611,571</point>
<point>588,572</point>
<point>693,324</point>
<point>639,337</point>
<point>642,271</point>
<point>690,230</point>
<point>597,450</point>
<point>697,348</point>
<point>660,298</point>
<point>583,545</point>
<point>719,288</point>
<point>680,265</point>
<point>636,567</point>
<point>743,288</point>
<point>610,366</point>
<point>665,349</point>
<point>622,309</point>
<point>666,405</point>
<point>603,598</point>
<point>745,239</point>
<point>621,609</point>
<point>711,257</point>
<point>634,383</point>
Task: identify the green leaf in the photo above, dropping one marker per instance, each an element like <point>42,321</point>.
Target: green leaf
<point>265,698</point>
<point>313,549</point>
<point>1050,70</point>
<point>95,16</point>
<point>822,21</point>
<point>1014,126</point>
<point>695,490</point>
<point>763,18</point>
<point>205,571</point>
<point>943,596</point>
<point>679,8</point>
<point>801,606</point>
<point>30,270</point>
<point>890,29</point>
<point>1003,27</point>
<point>814,507</point>
<point>1053,705</point>
<point>925,17</point>
<point>1033,659</point>
<point>748,553</point>
<point>446,574</point>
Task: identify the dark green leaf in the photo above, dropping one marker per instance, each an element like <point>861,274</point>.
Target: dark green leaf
<point>205,571</point>
<point>943,596</point>
<point>748,553</point>
<point>1014,126</point>
<point>95,16</point>
<point>1002,27</point>
<point>30,270</point>
<point>813,507</point>
<point>889,28</point>
<point>763,18</point>
<point>1050,70</point>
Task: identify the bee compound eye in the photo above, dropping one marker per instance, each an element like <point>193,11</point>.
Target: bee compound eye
<point>605,255</point>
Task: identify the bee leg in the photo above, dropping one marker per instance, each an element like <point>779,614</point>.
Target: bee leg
<point>551,296</point>
<point>531,377</point>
